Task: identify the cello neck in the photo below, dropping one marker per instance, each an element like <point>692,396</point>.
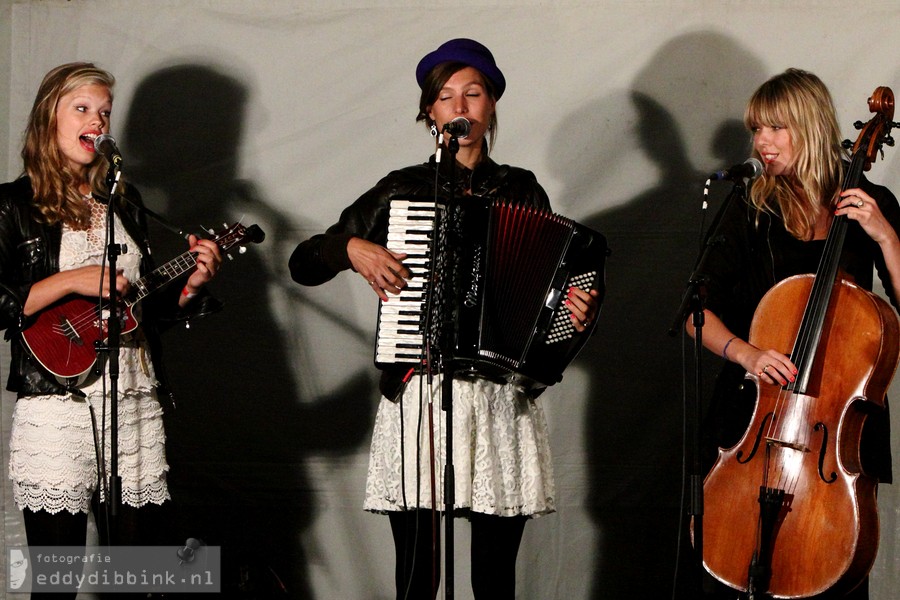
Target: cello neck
<point>865,151</point>
<point>810,333</point>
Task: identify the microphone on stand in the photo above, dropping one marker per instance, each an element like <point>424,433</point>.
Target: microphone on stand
<point>105,144</point>
<point>749,169</point>
<point>460,127</point>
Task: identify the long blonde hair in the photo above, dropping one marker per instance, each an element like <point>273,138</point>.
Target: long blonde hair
<point>53,181</point>
<point>799,101</point>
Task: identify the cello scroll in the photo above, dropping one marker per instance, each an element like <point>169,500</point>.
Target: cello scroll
<point>876,133</point>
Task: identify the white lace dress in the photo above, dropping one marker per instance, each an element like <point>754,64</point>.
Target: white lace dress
<point>501,451</point>
<point>52,461</point>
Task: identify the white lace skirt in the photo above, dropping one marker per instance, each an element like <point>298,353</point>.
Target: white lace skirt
<point>501,451</point>
<point>52,461</point>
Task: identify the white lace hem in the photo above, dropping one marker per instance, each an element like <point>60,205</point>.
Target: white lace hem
<point>52,461</point>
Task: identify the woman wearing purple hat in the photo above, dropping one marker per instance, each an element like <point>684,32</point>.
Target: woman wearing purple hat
<point>501,454</point>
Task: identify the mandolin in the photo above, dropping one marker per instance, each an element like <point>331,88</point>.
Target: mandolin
<point>64,336</point>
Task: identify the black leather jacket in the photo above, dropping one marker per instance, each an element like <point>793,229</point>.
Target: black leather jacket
<point>29,252</point>
<point>323,256</point>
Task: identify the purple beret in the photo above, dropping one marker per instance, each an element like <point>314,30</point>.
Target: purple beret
<point>468,52</point>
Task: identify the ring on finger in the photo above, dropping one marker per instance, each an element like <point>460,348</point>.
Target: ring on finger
<point>860,204</point>
<point>766,369</point>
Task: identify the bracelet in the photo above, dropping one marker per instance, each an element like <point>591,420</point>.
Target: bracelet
<point>725,349</point>
<point>189,295</point>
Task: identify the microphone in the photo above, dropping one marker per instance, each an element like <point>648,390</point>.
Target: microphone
<point>459,127</point>
<point>750,169</point>
<point>105,144</point>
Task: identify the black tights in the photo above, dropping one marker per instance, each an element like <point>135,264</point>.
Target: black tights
<point>495,545</point>
<point>66,529</point>
<point>46,529</point>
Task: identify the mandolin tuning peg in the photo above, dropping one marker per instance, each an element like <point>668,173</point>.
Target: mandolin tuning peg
<point>859,125</point>
<point>847,144</point>
<point>889,140</point>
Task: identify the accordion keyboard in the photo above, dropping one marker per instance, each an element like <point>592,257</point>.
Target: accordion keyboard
<point>399,337</point>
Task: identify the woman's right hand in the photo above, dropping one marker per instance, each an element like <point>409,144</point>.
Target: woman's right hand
<point>84,281</point>
<point>382,269</point>
<point>87,281</point>
<point>770,365</point>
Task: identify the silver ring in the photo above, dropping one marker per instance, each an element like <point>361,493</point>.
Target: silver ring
<point>860,204</point>
<point>372,282</point>
<point>766,368</point>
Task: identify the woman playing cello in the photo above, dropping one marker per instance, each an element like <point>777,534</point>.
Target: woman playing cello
<point>779,232</point>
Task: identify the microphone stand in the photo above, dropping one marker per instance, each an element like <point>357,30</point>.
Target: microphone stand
<point>448,370</point>
<point>112,347</point>
<point>692,304</point>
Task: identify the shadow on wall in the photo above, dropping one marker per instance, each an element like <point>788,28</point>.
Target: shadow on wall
<point>685,104</point>
<point>239,437</point>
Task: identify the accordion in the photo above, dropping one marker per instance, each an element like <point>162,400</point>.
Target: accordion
<point>488,289</point>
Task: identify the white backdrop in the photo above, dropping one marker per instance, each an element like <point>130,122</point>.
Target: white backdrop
<point>619,107</point>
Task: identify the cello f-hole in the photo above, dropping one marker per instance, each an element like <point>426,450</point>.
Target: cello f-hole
<point>759,436</point>
<point>824,429</point>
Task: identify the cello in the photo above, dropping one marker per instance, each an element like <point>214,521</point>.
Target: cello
<point>789,511</point>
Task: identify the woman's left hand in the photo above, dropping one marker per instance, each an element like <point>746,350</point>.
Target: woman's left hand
<point>862,208</point>
<point>209,259</point>
<point>584,307</point>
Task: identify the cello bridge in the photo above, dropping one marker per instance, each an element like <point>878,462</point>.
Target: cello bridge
<point>783,444</point>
